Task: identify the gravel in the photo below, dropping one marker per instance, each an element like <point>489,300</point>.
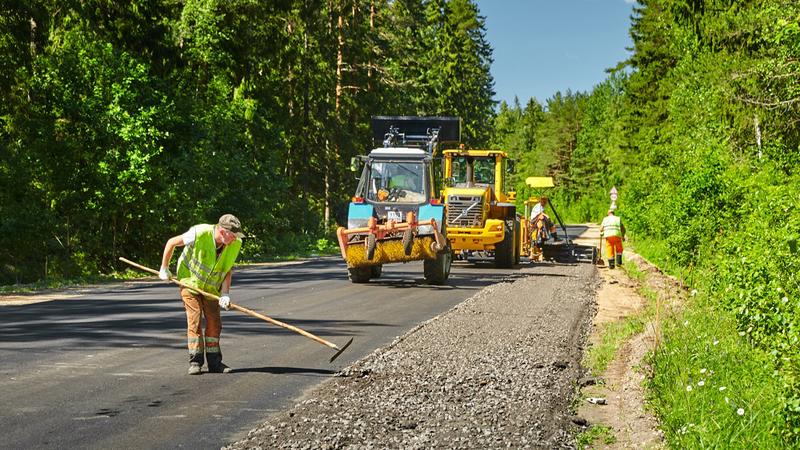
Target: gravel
<point>500,370</point>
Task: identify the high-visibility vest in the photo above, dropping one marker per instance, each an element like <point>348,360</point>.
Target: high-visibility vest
<point>612,226</point>
<point>199,265</point>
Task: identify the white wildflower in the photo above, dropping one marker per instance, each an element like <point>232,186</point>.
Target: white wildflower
<point>741,333</point>
<point>701,383</point>
<point>694,292</point>
<point>785,299</point>
<point>703,370</point>
<point>727,400</point>
<point>715,342</point>
<point>688,388</point>
<point>740,411</point>
<point>722,388</point>
<point>686,323</point>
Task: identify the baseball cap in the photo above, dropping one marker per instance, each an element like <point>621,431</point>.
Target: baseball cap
<point>232,224</point>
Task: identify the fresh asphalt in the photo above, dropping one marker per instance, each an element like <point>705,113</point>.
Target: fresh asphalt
<point>107,369</point>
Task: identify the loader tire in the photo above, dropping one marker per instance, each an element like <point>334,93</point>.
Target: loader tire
<point>376,270</point>
<point>438,270</point>
<point>408,242</point>
<point>504,251</point>
<point>370,243</point>
<point>359,274</point>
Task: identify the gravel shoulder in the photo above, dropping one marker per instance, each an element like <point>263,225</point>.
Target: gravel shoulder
<point>498,370</point>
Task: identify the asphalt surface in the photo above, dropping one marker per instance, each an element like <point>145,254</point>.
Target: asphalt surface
<point>107,369</point>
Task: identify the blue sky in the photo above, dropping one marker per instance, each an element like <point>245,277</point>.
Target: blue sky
<point>545,46</point>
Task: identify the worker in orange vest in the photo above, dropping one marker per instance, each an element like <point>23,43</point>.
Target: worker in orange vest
<point>613,231</point>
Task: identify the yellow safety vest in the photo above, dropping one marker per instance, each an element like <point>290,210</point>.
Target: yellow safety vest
<point>199,265</point>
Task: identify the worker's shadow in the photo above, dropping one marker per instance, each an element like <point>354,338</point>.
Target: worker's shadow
<point>284,370</point>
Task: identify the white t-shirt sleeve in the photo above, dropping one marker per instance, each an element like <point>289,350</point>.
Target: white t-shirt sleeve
<point>189,236</point>
<point>537,209</point>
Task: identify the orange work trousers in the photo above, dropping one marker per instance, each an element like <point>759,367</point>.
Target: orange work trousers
<point>613,246</point>
<point>201,342</point>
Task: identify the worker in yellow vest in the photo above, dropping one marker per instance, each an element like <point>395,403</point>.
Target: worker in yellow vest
<point>612,230</point>
<point>209,252</point>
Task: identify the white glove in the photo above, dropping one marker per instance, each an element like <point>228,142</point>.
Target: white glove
<point>164,274</point>
<point>225,302</point>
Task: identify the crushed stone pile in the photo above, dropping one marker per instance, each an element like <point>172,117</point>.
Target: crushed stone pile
<point>497,371</point>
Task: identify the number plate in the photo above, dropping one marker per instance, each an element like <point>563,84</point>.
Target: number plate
<point>394,215</point>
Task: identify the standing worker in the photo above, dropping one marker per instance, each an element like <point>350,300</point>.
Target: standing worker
<point>206,263</point>
<point>613,231</point>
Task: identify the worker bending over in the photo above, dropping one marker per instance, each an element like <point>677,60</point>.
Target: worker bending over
<point>206,263</point>
<point>613,231</point>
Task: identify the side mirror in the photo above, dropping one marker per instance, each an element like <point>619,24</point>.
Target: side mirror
<point>355,164</point>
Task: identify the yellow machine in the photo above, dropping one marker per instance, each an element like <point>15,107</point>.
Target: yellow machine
<point>481,214</point>
<point>533,230</point>
<point>538,242</point>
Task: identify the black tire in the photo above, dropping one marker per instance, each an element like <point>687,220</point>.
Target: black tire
<point>376,271</point>
<point>594,255</point>
<point>370,244</point>
<point>359,274</point>
<point>437,271</point>
<point>504,251</point>
<point>408,242</point>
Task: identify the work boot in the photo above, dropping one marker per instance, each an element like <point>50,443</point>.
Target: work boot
<point>194,369</point>
<point>619,260</point>
<point>220,368</point>
<point>611,263</point>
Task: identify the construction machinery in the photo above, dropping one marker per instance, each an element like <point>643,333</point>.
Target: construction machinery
<point>482,219</point>
<point>538,244</point>
<point>396,214</point>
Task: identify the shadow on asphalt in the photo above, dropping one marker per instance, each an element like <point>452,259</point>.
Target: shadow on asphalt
<point>138,323</point>
<point>284,370</point>
<point>155,318</point>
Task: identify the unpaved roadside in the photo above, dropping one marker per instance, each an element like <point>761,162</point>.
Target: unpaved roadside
<point>497,371</point>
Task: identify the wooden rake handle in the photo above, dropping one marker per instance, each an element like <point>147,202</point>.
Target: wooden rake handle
<point>250,312</point>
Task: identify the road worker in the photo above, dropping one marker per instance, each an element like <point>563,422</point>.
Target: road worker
<point>613,231</point>
<point>206,263</point>
<point>537,212</point>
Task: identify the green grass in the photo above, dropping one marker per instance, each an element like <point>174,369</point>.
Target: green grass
<point>712,389</point>
<point>612,336</point>
<point>594,434</point>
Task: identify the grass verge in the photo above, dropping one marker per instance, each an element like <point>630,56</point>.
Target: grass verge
<point>711,389</point>
<point>594,434</point>
<point>614,334</point>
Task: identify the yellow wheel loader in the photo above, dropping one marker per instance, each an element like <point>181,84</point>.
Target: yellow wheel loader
<point>482,219</point>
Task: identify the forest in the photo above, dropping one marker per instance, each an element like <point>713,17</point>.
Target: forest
<point>698,130</point>
<point>124,123</point>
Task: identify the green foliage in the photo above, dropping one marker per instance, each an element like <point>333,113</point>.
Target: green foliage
<point>595,433</point>
<point>711,389</point>
<point>698,132</point>
<point>122,124</point>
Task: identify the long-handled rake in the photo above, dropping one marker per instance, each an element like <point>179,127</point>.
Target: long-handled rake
<point>252,313</point>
